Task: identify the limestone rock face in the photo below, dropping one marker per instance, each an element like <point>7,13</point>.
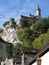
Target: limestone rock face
<point>10,35</point>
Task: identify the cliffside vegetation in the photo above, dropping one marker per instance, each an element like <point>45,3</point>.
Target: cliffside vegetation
<point>11,20</point>
<point>6,23</point>
<point>1,30</point>
<point>16,49</point>
<point>30,36</point>
<point>36,37</point>
<point>41,40</point>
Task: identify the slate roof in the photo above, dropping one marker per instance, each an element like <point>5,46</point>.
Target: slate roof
<point>31,17</point>
<point>36,52</point>
<point>31,54</point>
<point>30,50</point>
<point>39,54</point>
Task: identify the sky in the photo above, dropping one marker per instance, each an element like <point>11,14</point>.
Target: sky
<point>15,8</point>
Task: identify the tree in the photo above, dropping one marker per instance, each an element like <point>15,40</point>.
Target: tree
<point>24,33</point>
<point>41,40</point>
<point>41,26</point>
<point>12,19</point>
<point>13,22</point>
<point>16,49</point>
<point>27,43</point>
<point>25,36</point>
<point>6,23</point>
<point>1,30</point>
<point>48,22</point>
<point>24,23</point>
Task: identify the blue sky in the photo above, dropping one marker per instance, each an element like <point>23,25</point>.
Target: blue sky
<point>15,8</point>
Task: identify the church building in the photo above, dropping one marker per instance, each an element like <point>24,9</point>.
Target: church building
<point>30,18</point>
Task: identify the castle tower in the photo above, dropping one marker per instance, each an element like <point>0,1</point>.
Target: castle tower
<point>38,12</point>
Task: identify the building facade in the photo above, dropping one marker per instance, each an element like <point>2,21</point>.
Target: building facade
<point>30,18</point>
<point>5,50</point>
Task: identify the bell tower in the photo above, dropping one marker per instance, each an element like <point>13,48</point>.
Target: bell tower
<point>38,12</point>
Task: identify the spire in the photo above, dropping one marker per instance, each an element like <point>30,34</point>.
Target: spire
<point>38,11</point>
<point>38,8</point>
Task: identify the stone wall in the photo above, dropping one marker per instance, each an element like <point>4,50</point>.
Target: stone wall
<point>5,51</point>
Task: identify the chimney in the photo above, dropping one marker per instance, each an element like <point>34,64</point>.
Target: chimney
<point>38,61</point>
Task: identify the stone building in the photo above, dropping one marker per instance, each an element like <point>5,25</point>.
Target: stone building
<point>5,50</point>
<point>30,18</point>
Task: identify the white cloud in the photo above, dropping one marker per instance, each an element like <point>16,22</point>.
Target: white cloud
<point>15,8</point>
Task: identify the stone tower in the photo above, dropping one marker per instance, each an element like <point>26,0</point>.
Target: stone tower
<point>38,12</point>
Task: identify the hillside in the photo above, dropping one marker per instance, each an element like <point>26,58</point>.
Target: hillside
<point>35,35</point>
<point>9,31</point>
<point>28,34</point>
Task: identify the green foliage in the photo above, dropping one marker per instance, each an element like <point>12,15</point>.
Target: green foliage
<point>35,38</point>
<point>21,35</point>
<point>24,23</point>
<point>6,23</point>
<point>47,22</point>
<point>1,30</point>
<point>12,19</point>
<point>27,43</point>
<point>16,49</point>
<point>41,26</point>
<point>24,33</point>
<point>41,41</point>
<point>27,35</point>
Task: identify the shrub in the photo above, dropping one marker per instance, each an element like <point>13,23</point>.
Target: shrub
<point>41,40</point>
<point>1,30</point>
<point>6,23</point>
